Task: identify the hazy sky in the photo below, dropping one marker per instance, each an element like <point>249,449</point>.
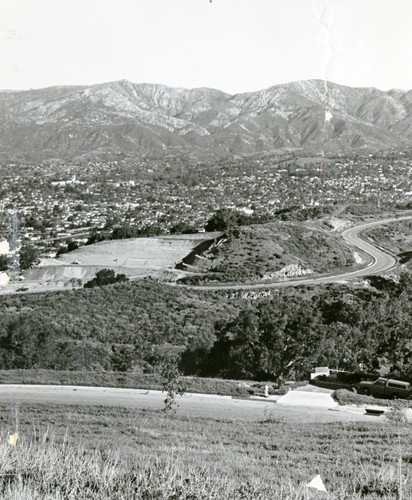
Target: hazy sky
<point>232,45</point>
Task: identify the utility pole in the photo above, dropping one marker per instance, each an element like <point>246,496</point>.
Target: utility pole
<point>15,246</point>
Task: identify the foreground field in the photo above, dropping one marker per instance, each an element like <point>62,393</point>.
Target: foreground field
<point>106,453</point>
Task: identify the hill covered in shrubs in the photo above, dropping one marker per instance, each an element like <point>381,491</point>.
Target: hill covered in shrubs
<point>256,252</point>
<point>132,326</point>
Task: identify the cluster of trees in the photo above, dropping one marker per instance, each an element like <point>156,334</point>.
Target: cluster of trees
<point>125,327</point>
<point>28,255</point>
<point>285,337</point>
<point>226,219</point>
<point>106,277</point>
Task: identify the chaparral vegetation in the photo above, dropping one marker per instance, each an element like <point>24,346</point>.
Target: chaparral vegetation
<point>132,326</point>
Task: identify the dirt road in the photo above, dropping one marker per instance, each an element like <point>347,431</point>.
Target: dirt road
<point>193,405</point>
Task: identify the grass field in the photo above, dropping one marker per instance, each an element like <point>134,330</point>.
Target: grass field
<point>105,453</point>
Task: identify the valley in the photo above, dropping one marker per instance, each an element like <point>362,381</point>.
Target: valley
<point>205,250</point>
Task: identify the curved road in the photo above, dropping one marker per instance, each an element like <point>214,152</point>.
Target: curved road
<point>193,405</point>
<point>380,261</point>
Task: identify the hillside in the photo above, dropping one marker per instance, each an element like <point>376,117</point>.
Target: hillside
<point>271,251</point>
<point>395,237</point>
<point>130,327</point>
<point>126,327</point>
<point>66,122</point>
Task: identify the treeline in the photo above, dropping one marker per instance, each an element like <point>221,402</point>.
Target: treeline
<point>224,219</point>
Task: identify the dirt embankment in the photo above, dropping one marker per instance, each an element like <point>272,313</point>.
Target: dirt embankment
<point>192,258</point>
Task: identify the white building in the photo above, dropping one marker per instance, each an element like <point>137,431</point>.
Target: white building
<point>4,279</point>
<point>4,247</point>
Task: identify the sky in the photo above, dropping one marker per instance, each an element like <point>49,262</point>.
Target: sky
<point>232,45</point>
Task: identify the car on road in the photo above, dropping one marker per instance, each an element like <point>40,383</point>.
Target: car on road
<point>386,388</point>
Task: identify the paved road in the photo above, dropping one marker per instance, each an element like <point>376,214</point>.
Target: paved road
<point>193,405</point>
<point>381,261</point>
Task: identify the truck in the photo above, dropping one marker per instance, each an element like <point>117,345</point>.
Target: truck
<point>386,388</point>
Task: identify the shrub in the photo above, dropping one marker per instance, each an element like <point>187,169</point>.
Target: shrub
<point>344,397</point>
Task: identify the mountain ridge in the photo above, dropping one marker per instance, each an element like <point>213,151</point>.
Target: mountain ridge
<point>121,116</point>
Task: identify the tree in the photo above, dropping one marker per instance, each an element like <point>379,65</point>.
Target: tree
<point>4,263</point>
<point>182,228</point>
<point>105,277</point>
<point>172,385</point>
<point>28,256</point>
<point>272,341</point>
<point>24,342</point>
<point>222,220</point>
<point>72,245</point>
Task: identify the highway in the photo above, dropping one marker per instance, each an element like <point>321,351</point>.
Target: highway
<point>380,261</point>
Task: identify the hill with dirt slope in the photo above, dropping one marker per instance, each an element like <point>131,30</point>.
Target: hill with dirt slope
<point>268,252</point>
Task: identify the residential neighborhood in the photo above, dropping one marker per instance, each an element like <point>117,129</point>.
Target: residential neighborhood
<point>57,202</point>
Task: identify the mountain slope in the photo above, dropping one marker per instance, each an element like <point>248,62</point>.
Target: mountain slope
<point>126,117</point>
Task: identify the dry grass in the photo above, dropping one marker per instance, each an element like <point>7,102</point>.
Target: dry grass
<point>103,453</point>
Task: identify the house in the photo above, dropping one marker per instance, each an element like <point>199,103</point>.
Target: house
<point>4,247</point>
<point>4,279</point>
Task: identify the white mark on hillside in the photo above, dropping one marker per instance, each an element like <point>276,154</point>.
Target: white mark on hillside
<point>358,258</point>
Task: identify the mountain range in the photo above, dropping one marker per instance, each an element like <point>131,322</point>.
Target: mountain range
<point>121,116</point>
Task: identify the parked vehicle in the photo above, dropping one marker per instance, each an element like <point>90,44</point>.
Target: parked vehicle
<point>386,388</point>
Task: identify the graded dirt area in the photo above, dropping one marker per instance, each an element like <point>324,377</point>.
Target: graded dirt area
<point>135,257</point>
